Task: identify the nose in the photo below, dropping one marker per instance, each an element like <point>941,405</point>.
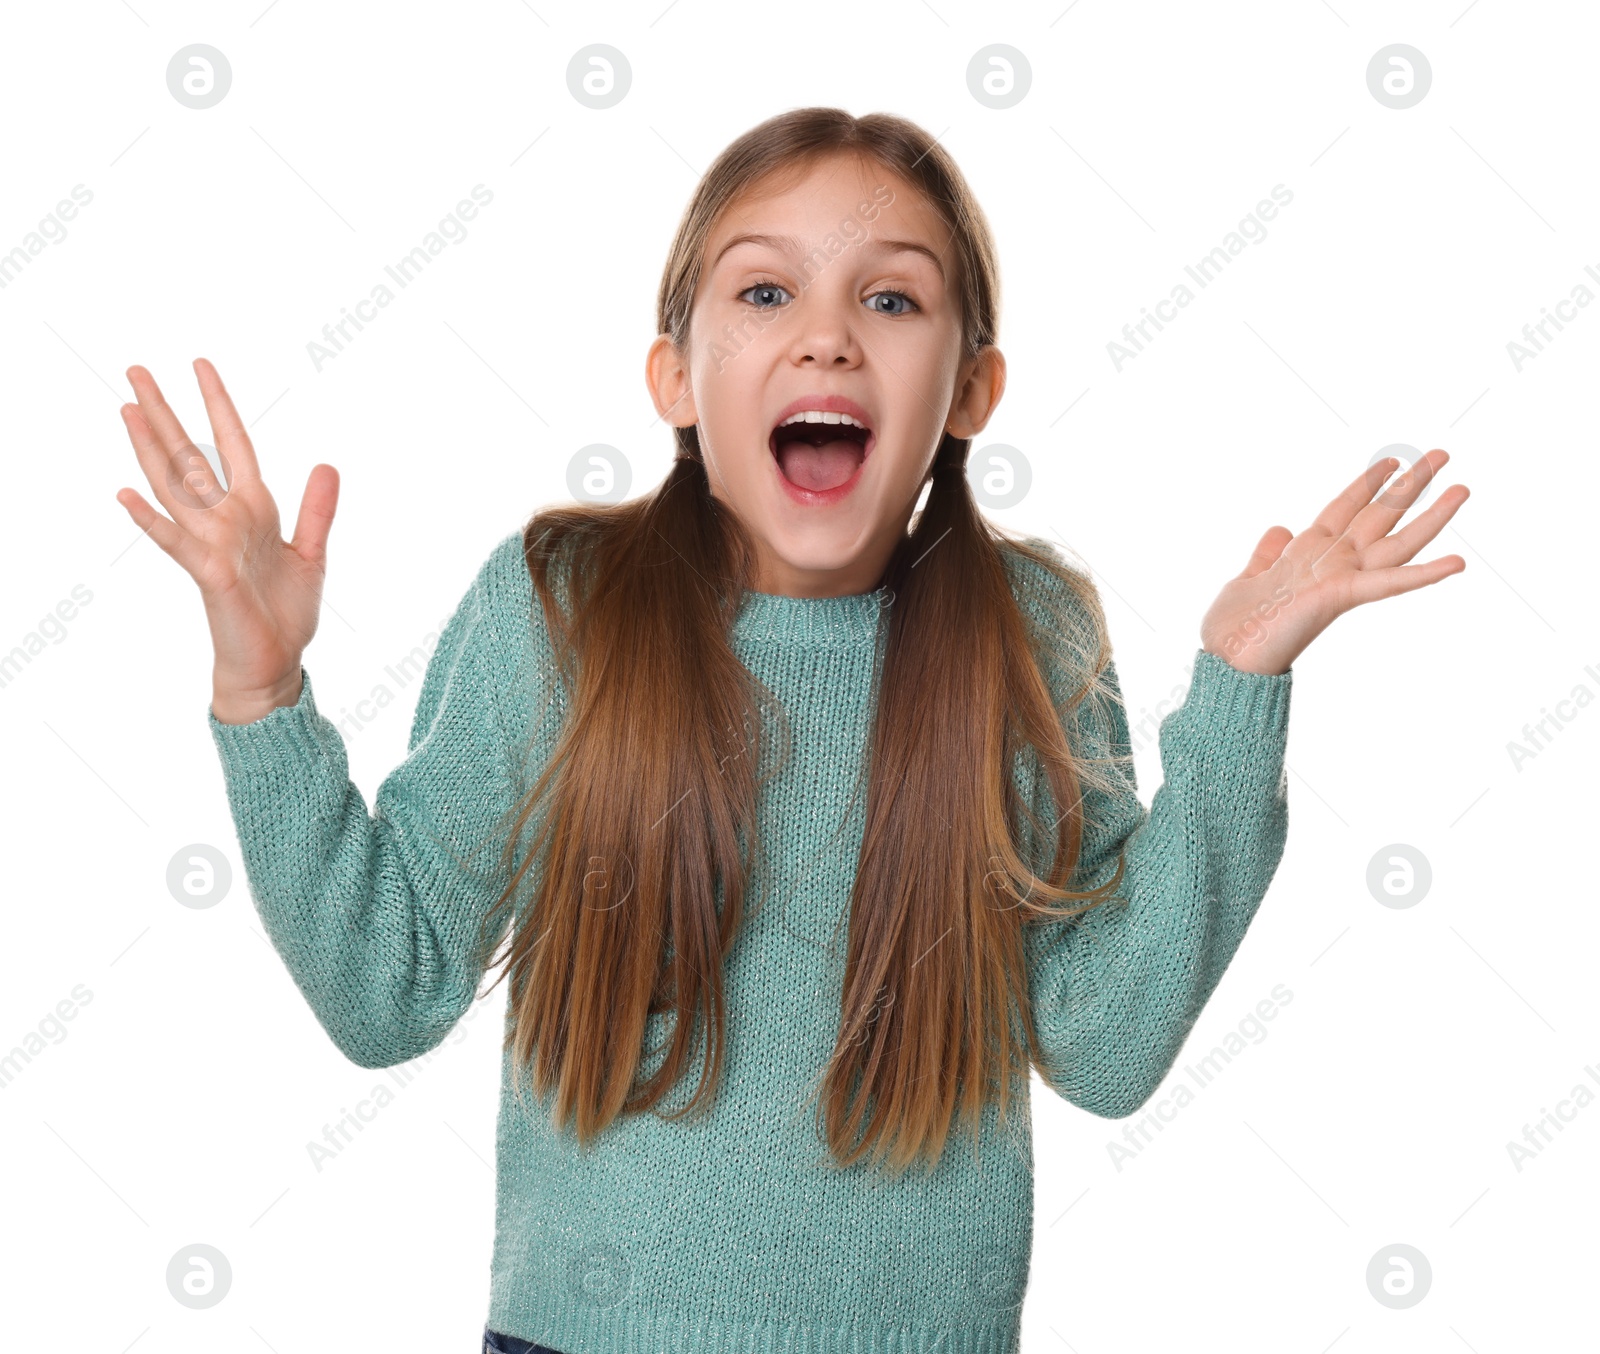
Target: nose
<point>824,336</point>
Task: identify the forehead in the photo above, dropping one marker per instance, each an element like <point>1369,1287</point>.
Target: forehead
<point>824,199</point>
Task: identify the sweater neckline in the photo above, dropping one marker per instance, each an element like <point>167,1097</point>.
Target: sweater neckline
<point>775,620</point>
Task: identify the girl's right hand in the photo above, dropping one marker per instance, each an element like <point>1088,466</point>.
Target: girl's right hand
<point>262,594</point>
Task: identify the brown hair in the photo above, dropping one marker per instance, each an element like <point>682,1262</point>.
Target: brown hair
<point>647,806</point>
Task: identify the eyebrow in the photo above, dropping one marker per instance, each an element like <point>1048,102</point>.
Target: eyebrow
<point>788,243</point>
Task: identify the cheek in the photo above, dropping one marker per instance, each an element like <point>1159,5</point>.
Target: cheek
<point>721,365</point>
<point>730,398</point>
<point>926,365</point>
<point>730,444</point>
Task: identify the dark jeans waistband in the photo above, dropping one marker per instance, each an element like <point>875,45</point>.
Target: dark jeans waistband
<point>494,1342</point>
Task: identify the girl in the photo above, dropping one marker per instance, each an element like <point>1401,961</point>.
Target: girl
<point>823,799</point>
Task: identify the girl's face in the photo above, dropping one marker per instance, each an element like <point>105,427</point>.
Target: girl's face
<point>836,294</point>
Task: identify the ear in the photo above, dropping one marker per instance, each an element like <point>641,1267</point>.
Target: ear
<point>668,379</point>
<point>979,386</point>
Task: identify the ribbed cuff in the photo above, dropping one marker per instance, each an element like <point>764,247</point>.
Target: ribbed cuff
<point>283,735</point>
<point>1232,719</point>
<point>1227,697</point>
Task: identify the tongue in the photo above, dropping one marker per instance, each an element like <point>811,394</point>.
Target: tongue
<point>819,467</point>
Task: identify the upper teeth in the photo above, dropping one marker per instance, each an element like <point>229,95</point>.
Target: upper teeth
<point>821,416</point>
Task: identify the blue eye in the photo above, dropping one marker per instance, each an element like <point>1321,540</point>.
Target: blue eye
<point>764,286</point>
<point>909,302</point>
<point>909,306</point>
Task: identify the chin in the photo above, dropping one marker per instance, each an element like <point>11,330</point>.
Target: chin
<point>820,549</point>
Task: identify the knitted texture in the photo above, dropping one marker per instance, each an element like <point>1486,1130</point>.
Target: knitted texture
<point>733,1232</point>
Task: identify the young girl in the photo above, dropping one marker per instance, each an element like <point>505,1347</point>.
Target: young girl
<point>810,818</point>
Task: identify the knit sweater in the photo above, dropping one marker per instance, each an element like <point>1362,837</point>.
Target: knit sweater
<point>733,1231</point>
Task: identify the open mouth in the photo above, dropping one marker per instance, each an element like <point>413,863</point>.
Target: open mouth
<point>817,455</point>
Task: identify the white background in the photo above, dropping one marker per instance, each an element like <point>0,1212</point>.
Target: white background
<point>1419,1041</point>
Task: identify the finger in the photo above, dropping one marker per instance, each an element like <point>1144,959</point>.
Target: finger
<point>226,425</point>
<point>1371,585</point>
<point>157,413</point>
<point>1267,551</point>
<point>173,539</point>
<point>1342,508</point>
<point>1404,544</point>
<point>152,456</point>
<point>315,519</point>
<point>1378,517</point>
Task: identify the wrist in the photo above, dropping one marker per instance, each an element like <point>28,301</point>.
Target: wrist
<point>231,704</point>
<point>1248,661</point>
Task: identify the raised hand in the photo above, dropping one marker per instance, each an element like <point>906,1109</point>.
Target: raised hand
<point>262,595</point>
<point>1294,586</point>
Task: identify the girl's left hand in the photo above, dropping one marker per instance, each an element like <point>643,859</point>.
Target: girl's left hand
<point>1294,586</point>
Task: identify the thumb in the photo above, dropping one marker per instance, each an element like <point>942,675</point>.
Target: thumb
<point>317,506</point>
<point>1267,550</point>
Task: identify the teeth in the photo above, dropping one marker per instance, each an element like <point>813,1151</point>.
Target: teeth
<point>820,416</point>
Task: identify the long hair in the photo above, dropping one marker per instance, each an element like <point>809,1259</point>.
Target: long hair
<point>646,809</point>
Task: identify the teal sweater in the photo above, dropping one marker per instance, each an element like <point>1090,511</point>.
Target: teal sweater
<point>733,1232</point>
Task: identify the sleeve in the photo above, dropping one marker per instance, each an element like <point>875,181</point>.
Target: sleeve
<point>1115,992</point>
<point>377,917</point>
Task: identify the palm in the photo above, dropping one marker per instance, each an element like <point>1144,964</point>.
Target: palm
<point>1295,586</point>
<point>262,594</point>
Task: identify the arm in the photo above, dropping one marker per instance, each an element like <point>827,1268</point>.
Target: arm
<point>1115,993</point>
<point>377,916</point>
